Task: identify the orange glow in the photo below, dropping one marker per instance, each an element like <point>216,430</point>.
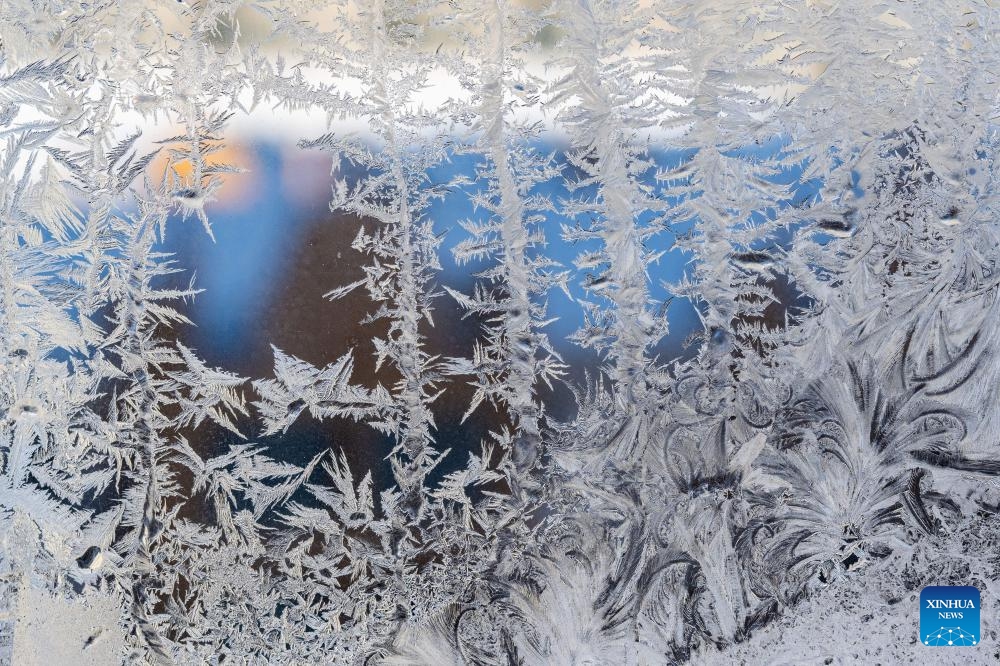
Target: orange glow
<point>235,187</point>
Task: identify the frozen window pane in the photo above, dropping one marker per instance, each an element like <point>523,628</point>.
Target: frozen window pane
<point>508,332</point>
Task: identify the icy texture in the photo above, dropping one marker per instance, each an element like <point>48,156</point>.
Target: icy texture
<point>830,180</point>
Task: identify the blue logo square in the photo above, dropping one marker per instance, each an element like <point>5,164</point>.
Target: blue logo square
<point>949,616</point>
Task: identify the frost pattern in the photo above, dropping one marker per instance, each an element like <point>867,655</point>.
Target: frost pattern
<point>826,171</point>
